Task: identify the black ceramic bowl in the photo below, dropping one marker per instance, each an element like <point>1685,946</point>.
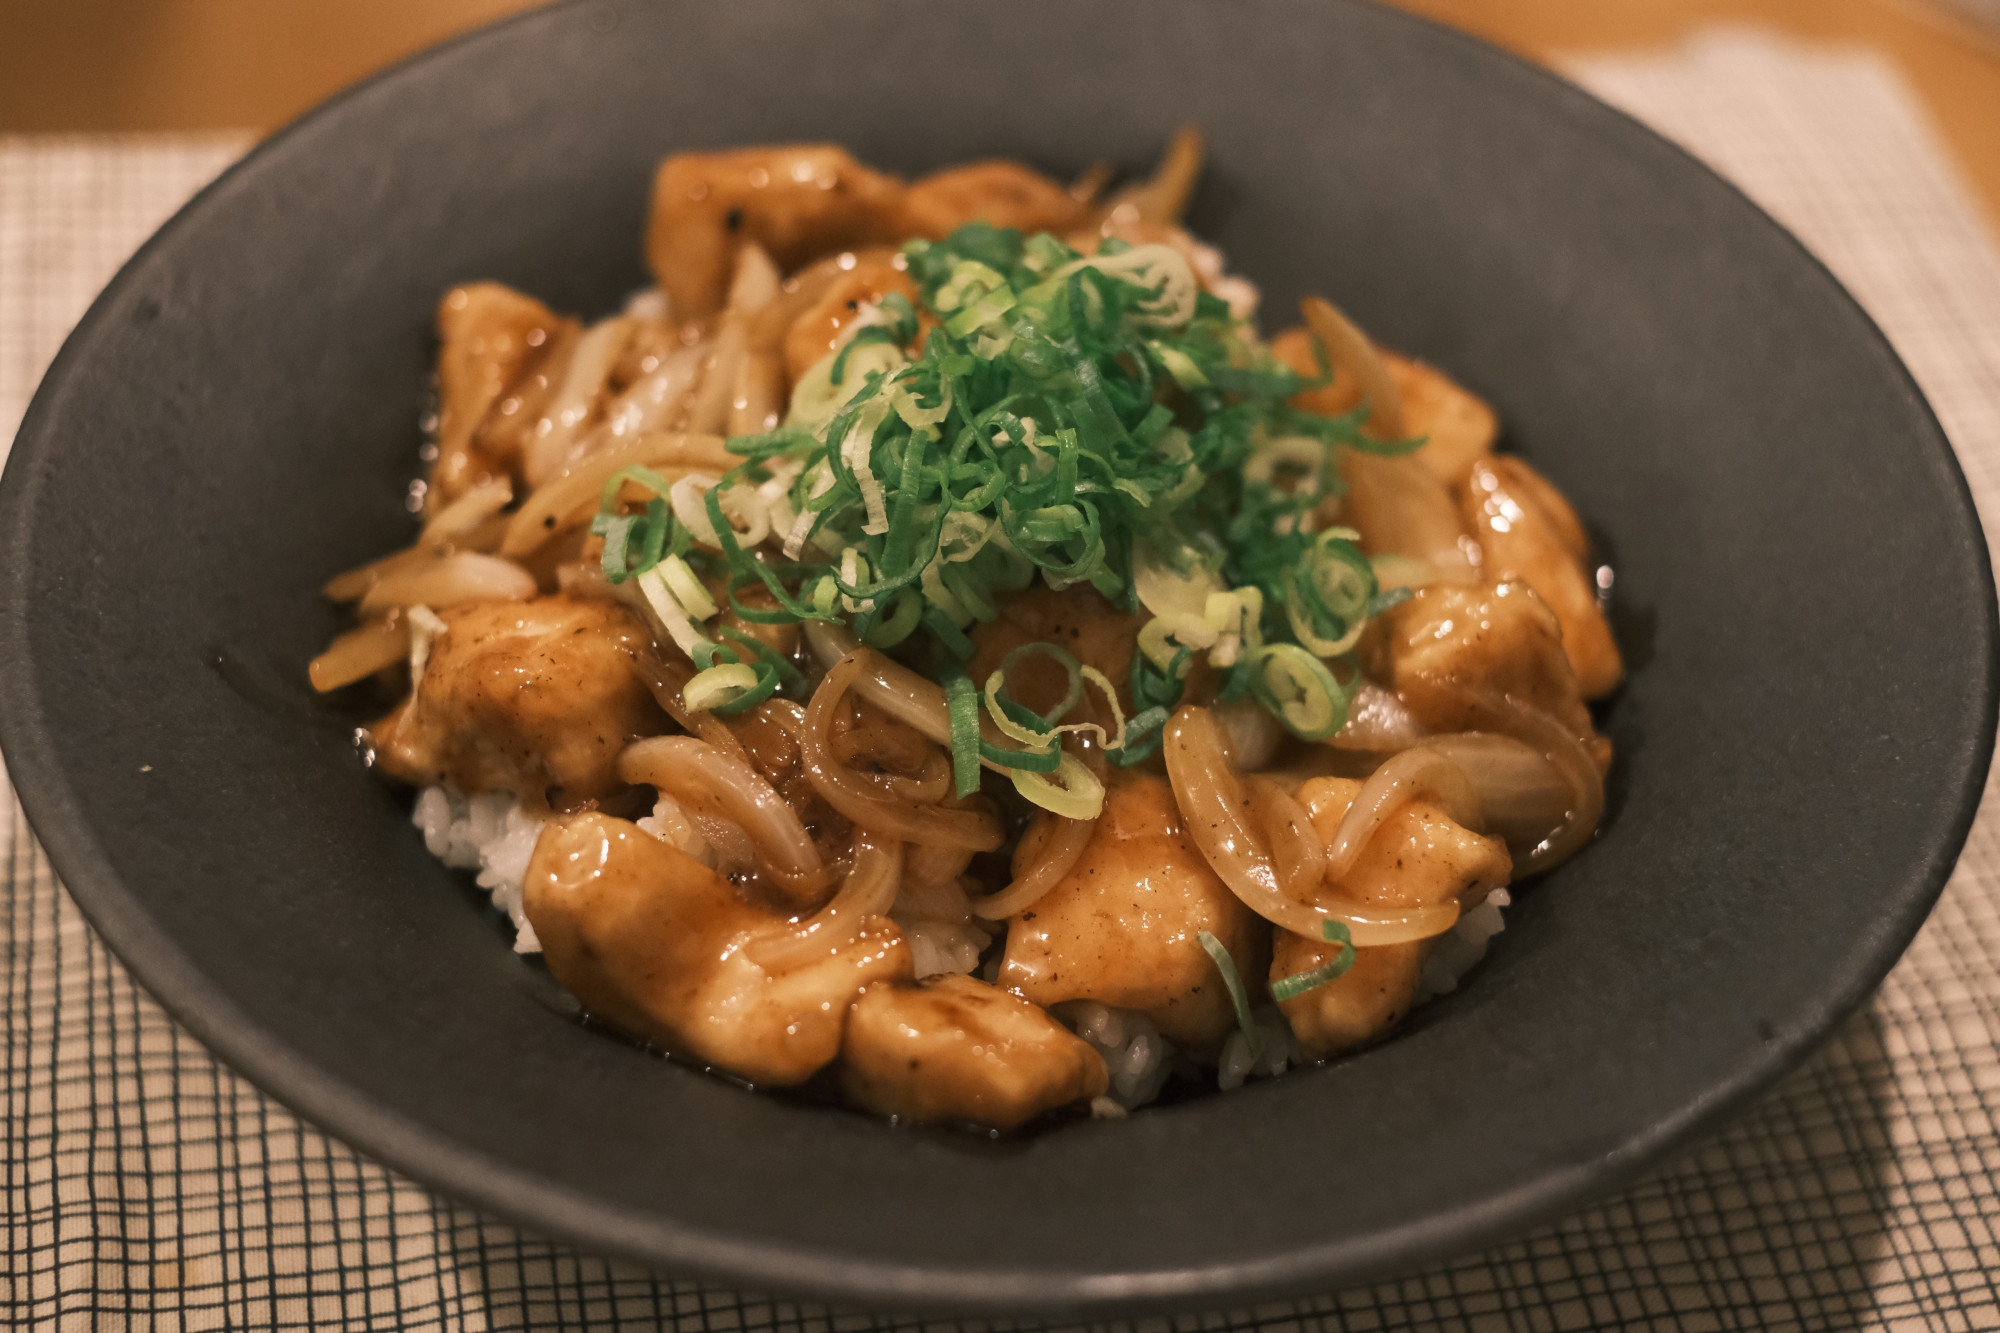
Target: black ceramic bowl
<point>1804,599</point>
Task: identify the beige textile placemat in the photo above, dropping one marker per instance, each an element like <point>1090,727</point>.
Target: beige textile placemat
<point>148,1187</point>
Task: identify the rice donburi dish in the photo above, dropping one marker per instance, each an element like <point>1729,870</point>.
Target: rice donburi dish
<point>932,647</point>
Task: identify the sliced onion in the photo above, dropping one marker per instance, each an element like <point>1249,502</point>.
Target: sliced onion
<point>891,687</point>
<point>467,523</point>
<point>361,652</point>
<point>351,584</point>
<point>464,577</point>
<point>1565,750</point>
<point>1062,847</point>
<point>1348,348</point>
<point>583,383</point>
<point>700,775</point>
<point>855,797</point>
<point>869,890</point>
<point>667,682</point>
<point>1395,784</point>
<point>572,496</point>
<point>1523,794</point>
<point>467,512</point>
<point>1297,853</point>
<point>900,692</point>
<point>1217,814</point>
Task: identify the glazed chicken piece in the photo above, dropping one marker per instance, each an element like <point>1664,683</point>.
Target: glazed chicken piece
<point>654,941</point>
<point>1453,654</point>
<point>798,201</point>
<point>1122,927</point>
<point>1457,425</point>
<point>536,698</point>
<point>1418,858</point>
<point>820,329</point>
<point>494,340</point>
<point>954,1049</point>
<point>1005,194</point>
<point>1529,532</point>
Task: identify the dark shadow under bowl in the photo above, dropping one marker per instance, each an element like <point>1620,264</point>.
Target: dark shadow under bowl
<point>1800,750</point>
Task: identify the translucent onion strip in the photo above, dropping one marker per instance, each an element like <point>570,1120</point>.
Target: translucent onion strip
<point>1565,750</point>
<point>361,652</point>
<point>1348,348</point>
<point>1523,794</point>
<point>698,775</point>
<point>1297,853</point>
<point>1062,847</point>
<point>666,681</point>
<point>583,383</point>
<point>1218,814</point>
<point>464,577</point>
<point>869,890</point>
<point>572,496</point>
<point>900,692</point>
<point>1414,772</point>
<point>857,798</point>
<point>466,523</point>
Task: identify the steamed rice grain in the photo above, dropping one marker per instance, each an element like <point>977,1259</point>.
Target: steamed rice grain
<point>492,833</point>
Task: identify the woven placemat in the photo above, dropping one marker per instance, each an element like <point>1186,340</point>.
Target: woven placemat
<point>149,1187</point>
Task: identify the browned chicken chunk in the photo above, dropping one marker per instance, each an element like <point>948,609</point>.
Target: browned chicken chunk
<point>1356,1007</point>
<point>1418,858</point>
<point>1123,927</point>
<point>657,943</point>
<point>954,1049</point>
<point>1528,531</point>
<point>818,330</point>
<point>1457,426</point>
<point>1005,194</point>
<point>798,201</point>
<point>536,698</point>
<point>492,339</point>
<point>1451,652</point>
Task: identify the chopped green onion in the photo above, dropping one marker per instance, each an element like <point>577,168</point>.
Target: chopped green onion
<point>1071,791</point>
<point>1061,405</point>
<point>1030,760</point>
<point>961,705</point>
<point>1238,995</point>
<point>1335,932</point>
<point>1298,690</point>
<point>718,685</point>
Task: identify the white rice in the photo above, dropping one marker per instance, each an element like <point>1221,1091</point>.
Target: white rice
<point>490,833</point>
<point>937,921</point>
<point>1462,946</point>
<point>1136,1055</point>
<point>1277,1051</point>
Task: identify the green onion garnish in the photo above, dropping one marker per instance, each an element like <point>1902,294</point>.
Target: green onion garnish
<point>961,702</point>
<point>1335,932</point>
<point>1240,997</point>
<point>1062,409</point>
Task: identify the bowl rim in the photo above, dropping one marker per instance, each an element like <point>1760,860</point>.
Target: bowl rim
<point>119,915</point>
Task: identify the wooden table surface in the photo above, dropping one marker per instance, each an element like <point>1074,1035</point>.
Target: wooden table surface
<point>232,64</point>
